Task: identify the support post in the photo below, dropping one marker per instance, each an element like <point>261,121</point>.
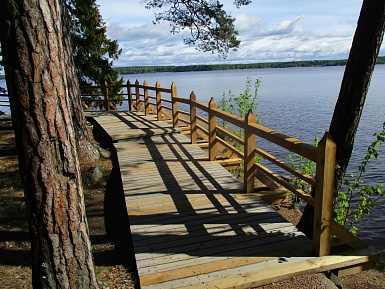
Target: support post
<point>146,102</point>
<point>137,95</point>
<point>106,98</point>
<point>212,130</point>
<point>129,96</point>
<point>175,113</point>
<point>193,118</point>
<point>249,154</point>
<point>324,195</point>
<point>159,113</point>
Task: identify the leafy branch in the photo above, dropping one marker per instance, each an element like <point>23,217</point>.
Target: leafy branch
<point>211,27</point>
<point>240,106</point>
<point>358,199</point>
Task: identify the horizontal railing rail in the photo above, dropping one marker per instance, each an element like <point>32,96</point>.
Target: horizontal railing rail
<point>200,121</point>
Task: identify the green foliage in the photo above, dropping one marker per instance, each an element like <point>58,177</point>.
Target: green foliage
<point>357,199</point>
<point>240,106</point>
<point>212,29</point>
<point>94,52</point>
<point>233,66</point>
<point>306,166</point>
<point>381,267</point>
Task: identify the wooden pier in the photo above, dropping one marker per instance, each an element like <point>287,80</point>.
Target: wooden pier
<point>193,225</point>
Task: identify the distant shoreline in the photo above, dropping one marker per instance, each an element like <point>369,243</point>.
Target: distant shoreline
<point>213,67</point>
<point>218,67</point>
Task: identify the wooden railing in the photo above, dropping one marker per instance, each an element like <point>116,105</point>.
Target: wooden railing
<point>165,104</point>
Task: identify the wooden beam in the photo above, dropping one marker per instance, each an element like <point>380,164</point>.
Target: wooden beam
<point>137,95</point>
<point>146,102</point>
<point>249,155</point>
<point>175,114</point>
<point>324,195</point>
<point>158,101</point>
<point>212,131</point>
<point>193,118</point>
<point>129,94</point>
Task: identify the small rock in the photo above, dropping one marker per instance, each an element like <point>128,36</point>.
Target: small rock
<point>104,153</point>
<point>94,175</point>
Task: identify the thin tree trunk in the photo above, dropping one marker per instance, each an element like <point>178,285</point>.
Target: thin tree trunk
<point>36,60</point>
<point>354,87</point>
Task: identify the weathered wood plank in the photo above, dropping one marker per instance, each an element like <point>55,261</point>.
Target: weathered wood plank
<point>214,265</point>
<point>191,223</point>
<point>162,261</point>
<point>266,275</point>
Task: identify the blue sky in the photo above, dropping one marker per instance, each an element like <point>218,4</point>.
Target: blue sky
<point>273,30</point>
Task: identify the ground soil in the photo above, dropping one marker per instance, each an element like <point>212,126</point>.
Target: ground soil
<point>109,233</point>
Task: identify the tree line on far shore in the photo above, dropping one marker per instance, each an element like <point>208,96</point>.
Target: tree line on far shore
<point>212,67</point>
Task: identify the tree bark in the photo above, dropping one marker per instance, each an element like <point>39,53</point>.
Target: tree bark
<point>84,145</point>
<point>37,60</point>
<point>354,87</point>
<point>355,83</point>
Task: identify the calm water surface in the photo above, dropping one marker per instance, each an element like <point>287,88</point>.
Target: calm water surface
<point>298,102</point>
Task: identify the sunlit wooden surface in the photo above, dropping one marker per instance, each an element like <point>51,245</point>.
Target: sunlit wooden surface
<point>192,225</point>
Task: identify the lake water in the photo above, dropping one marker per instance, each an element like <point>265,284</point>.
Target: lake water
<point>298,102</point>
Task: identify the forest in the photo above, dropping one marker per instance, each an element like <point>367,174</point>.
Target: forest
<point>209,67</point>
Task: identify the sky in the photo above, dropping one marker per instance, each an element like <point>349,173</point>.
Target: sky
<point>269,30</point>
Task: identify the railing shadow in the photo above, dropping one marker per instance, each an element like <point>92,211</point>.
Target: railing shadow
<point>206,213</point>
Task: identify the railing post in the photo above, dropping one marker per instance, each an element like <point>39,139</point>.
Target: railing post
<point>129,96</point>
<point>324,195</point>
<point>249,154</point>
<point>193,118</point>
<point>212,130</point>
<point>106,98</point>
<point>159,113</point>
<point>146,102</point>
<point>175,114</point>
<point>137,95</point>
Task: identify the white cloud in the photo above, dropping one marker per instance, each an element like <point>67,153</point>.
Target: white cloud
<point>274,30</point>
<point>145,31</point>
<point>287,27</point>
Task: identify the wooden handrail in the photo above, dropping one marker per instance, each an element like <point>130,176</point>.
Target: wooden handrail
<point>292,144</point>
<point>323,155</point>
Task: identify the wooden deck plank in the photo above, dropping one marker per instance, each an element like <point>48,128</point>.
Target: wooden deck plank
<point>266,274</point>
<point>205,265</point>
<point>191,224</point>
<point>290,247</point>
<point>163,260</point>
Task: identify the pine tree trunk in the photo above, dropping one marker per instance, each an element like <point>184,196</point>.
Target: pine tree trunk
<point>84,146</point>
<point>354,87</point>
<point>37,60</point>
<point>355,83</point>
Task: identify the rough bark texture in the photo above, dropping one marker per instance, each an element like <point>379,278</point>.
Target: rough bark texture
<point>36,61</point>
<point>354,87</point>
<point>84,145</point>
<point>355,83</point>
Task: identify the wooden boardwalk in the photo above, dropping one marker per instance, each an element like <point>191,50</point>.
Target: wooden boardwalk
<point>191,224</point>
